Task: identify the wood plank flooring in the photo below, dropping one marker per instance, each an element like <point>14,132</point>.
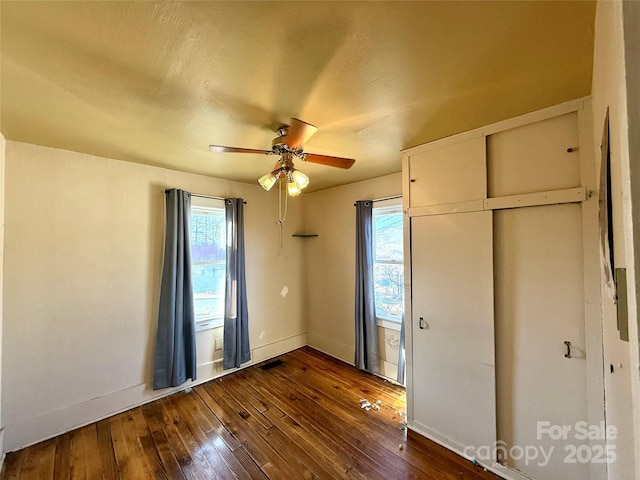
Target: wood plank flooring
<point>298,420</point>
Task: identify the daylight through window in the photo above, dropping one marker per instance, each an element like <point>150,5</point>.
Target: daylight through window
<point>388,262</point>
<point>208,258</point>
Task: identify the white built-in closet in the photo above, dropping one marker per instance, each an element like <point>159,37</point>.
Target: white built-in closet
<point>503,294</point>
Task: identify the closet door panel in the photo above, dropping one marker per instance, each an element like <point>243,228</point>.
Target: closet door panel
<point>539,305</point>
<point>453,344</point>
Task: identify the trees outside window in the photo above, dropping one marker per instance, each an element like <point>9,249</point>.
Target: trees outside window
<point>388,262</point>
<point>208,251</point>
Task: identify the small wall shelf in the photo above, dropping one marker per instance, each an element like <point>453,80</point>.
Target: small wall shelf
<point>304,235</point>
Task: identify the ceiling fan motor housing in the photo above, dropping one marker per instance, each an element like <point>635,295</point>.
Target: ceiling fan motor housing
<point>279,141</point>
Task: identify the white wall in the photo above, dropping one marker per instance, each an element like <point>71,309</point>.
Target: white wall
<point>83,250</point>
<point>609,89</point>
<point>330,262</point>
<point>2,163</point>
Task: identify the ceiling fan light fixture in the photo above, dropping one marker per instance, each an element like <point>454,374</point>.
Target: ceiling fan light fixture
<point>300,179</point>
<point>292,187</point>
<point>269,180</point>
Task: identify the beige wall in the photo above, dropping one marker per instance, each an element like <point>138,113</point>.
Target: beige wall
<point>631,18</point>
<point>83,250</point>
<point>609,89</point>
<point>2,163</point>
<point>330,262</point>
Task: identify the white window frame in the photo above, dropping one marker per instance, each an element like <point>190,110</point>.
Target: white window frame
<point>391,205</point>
<point>208,204</point>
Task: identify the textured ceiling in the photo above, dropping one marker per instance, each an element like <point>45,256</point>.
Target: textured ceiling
<point>157,82</point>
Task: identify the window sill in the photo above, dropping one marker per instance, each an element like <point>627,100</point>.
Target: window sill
<point>209,323</point>
<point>389,323</point>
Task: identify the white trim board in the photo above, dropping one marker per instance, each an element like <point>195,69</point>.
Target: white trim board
<point>592,286</point>
<point>446,208</point>
<point>52,424</point>
<point>551,197</point>
<point>3,455</point>
<point>388,324</point>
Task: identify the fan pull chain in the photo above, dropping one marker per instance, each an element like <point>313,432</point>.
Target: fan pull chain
<point>281,217</point>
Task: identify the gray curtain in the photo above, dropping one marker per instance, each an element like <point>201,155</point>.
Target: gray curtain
<point>175,355</point>
<point>367,356</point>
<point>401,355</point>
<point>236,318</point>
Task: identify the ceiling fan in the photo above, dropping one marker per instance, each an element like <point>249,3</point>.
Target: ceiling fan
<point>289,144</point>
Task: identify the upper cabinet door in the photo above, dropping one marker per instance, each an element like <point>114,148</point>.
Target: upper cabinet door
<point>450,174</point>
<point>536,157</point>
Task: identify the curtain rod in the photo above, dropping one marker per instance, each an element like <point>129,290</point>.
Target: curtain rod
<point>212,197</point>
<point>393,197</point>
<point>386,198</point>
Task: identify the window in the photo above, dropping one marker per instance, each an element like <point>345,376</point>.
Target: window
<point>388,262</point>
<point>208,251</point>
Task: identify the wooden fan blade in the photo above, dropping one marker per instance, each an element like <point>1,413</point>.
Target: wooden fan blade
<point>221,149</point>
<point>330,161</point>
<point>298,133</point>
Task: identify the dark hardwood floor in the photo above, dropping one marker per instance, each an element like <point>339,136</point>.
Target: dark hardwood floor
<point>299,420</point>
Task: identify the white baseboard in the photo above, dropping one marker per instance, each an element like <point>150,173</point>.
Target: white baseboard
<point>51,424</point>
<point>270,350</point>
<point>455,447</point>
<point>343,352</point>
